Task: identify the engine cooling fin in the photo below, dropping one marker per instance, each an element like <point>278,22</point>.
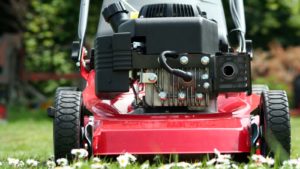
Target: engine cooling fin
<point>169,10</point>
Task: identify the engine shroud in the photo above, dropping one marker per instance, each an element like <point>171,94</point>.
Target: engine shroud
<point>178,59</point>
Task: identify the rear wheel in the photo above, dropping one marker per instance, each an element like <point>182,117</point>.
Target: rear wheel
<point>259,89</point>
<point>275,124</point>
<point>67,123</point>
<point>59,89</point>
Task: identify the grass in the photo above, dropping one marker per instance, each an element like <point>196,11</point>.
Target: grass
<point>28,134</point>
<point>295,127</point>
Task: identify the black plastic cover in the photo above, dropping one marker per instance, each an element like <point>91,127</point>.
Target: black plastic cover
<point>122,56</point>
<point>181,34</point>
<point>110,52</point>
<point>238,79</point>
<point>140,61</point>
<point>213,9</point>
<point>115,14</point>
<point>113,9</point>
<point>75,51</point>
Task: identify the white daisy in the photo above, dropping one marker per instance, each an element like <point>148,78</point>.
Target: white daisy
<point>62,162</point>
<point>80,153</point>
<point>223,160</point>
<point>258,158</point>
<point>234,166</point>
<point>96,160</point>
<point>222,166</point>
<point>217,152</point>
<point>20,164</point>
<point>130,157</point>
<point>145,166</point>
<point>50,164</point>
<point>98,166</point>
<point>183,165</point>
<point>167,166</point>
<point>123,161</point>
<point>13,162</point>
<point>32,163</point>
<point>270,161</point>
<point>196,165</point>
<point>211,162</point>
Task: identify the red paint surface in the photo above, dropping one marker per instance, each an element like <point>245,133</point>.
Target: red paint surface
<point>117,131</point>
<point>2,112</point>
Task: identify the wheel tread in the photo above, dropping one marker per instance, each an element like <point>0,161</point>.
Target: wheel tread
<point>277,119</point>
<point>67,122</point>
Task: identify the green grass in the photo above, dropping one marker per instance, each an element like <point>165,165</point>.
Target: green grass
<point>28,134</point>
<point>295,127</point>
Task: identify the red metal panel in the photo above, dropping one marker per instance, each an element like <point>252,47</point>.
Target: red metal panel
<point>117,131</point>
<point>49,76</point>
<point>174,135</point>
<point>2,112</point>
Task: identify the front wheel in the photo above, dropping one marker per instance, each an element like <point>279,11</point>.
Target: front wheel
<point>275,124</point>
<point>67,123</point>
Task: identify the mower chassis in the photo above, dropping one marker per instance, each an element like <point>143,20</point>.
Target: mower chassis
<point>228,130</point>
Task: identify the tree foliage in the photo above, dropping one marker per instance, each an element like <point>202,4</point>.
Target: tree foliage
<point>51,26</point>
<point>271,20</point>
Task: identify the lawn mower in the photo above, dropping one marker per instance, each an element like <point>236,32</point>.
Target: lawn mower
<point>164,78</point>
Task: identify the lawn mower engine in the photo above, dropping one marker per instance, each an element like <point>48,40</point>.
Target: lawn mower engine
<point>172,51</point>
<point>163,79</point>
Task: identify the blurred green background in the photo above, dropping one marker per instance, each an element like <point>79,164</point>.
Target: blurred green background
<point>49,26</point>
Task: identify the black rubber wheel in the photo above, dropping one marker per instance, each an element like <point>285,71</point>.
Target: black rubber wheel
<point>259,89</point>
<point>275,124</point>
<point>67,123</point>
<point>65,89</point>
<point>296,86</point>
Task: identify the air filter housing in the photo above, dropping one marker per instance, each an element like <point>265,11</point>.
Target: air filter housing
<point>169,10</point>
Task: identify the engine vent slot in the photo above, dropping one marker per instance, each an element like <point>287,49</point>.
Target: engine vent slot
<point>182,10</point>
<point>169,10</point>
<point>156,11</point>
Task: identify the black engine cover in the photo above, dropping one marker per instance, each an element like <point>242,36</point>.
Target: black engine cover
<point>112,63</point>
<point>181,34</point>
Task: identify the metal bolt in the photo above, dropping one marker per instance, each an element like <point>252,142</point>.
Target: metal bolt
<point>85,52</point>
<point>163,96</point>
<point>184,60</point>
<point>199,96</point>
<point>181,96</point>
<point>205,60</point>
<point>137,45</point>
<point>205,77</point>
<point>152,78</point>
<point>206,85</point>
